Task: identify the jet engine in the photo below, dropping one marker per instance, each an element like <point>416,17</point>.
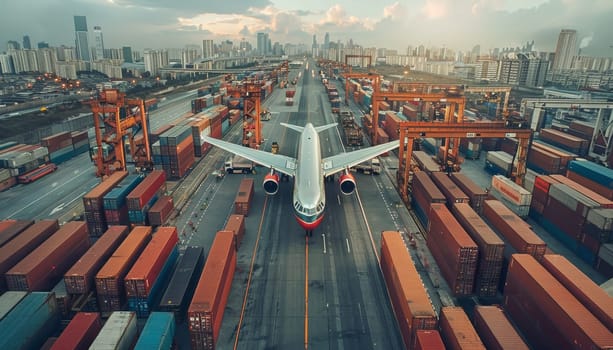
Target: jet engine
<point>271,183</point>
<point>347,183</point>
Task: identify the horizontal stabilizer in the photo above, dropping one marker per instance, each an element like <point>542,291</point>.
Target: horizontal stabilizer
<point>293,127</point>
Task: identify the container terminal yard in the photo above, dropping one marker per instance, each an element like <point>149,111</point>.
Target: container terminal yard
<point>485,228</point>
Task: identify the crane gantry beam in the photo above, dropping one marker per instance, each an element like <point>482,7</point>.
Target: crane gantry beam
<point>409,131</point>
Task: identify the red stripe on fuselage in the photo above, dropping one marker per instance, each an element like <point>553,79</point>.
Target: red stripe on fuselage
<point>310,225</point>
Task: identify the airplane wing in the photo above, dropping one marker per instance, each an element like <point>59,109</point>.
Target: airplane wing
<point>281,163</point>
<point>334,164</point>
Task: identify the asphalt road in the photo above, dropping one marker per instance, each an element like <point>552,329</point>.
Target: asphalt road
<point>291,292</point>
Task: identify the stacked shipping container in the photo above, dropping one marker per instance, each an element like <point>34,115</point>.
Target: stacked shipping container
<point>80,332</point>
<point>409,297</point>
<point>60,146</point>
<point>93,202</point>
<point>144,196</point>
<point>496,330</point>
<point>150,271</point>
<point>424,193</point>
<point>44,266</point>
<point>160,212</point>
<point>457,331</point>
<point>115,206</point>
<point>177,151</point>
<point>206,310</point>
<point>475,193</point>
<point>242,202</point>
<point>454,251</point>
<point>119,332</point>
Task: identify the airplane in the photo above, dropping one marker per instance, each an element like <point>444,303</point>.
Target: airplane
<point>309,170</point>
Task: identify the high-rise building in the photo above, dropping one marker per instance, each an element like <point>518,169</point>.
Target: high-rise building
<point>13,45</point>
<point>98,43</point>
<point>207,48</point>
<point>262,44</point>
<point>127,54</point>
<point>327,41</point>
<point>6,64</point>
<point>80,27</point>
<point>26,42</point>
<point>154,60</point>
<point>43,45</point>
<point>566,49</point>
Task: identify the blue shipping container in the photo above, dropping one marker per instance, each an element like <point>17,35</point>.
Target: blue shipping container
<point>31,322</point>
<point>116,198</point>
<point>593,171</point>
<point>158,332</point>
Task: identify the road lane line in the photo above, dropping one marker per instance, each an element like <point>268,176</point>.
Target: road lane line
<point>306,294</point>
<point>348,249</point>
<point>251,267</point>
<point>323,236</point>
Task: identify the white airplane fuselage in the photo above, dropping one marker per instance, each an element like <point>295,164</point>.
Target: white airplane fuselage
<point>309,197</point>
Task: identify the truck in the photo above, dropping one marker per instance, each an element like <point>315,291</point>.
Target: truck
<point>372,166</point>
<point>351,130</point>
<point>239,165</point>
<point>265,115</point>
<point>275,147</point>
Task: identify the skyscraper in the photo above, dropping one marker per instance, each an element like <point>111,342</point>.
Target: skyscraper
<point>207,48</point>
<point>98,43</point>
<point>80,27</point>
<point>26,42</point>
<point>565,50</point>
<point>127,54</point>
<point>327,41</point>
<point>262,43</point>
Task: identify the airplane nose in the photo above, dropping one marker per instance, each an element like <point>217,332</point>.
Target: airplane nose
<point>310,225</point>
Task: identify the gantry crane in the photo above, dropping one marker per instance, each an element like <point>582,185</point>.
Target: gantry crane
<point>252,130</point>
<point>118,119</point>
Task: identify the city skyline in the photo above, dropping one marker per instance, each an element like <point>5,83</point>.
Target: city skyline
<point>457,25</point>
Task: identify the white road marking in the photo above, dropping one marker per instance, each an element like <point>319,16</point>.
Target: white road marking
<point>348,249</point>
<point>323,236</point>
<point>339,199</point>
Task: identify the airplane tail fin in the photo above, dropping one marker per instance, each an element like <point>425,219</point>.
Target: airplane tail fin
<point>293,127</point>
<point>324,127</point>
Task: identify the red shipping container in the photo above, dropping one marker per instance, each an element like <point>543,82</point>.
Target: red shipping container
<point>143,193</point>
<point>79,279</point>
<point>18,248</point>
<point>242,202</point>
<point>93,201</point>
<point>491,249</point>
<point>80,332</point>
<point>428,340</point>
<point>457,331</point>
<point>455,252</point>
<point>452,193</point>
<point>109,280</point>
<point>160,212</point>
<point>13,230</point>
<point>591,295</point>
<point>475,193</point>
<point>547,313</point>
<point>44,266</point>
<point>496,330</point>
<point>206,310</point>
<point>236,224</point>
<point>513,229</point>
<point>410,300</point>
<point>148,266</point>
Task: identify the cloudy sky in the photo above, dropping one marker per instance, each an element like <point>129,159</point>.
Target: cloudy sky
<point>456,24</point>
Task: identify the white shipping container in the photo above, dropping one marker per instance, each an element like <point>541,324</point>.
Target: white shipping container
<point>529,179</point>
<point>501,159</point>
<point>570,198</point>
<point>601,218</point>
<point>5,174</point>
<point>118,333</point>
<point>40,152</point>
<point>520,210</point>
<point>511,191</point>
<point>606,253</point>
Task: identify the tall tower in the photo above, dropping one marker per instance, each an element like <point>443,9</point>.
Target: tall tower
<point>565,50</point>
<point>207,48</point>
<point>80,28</point>
<point>98,43</point>
<point>327,41</point>
<point>127,54</point>
<point>262,43</point>
<point>26,42</point>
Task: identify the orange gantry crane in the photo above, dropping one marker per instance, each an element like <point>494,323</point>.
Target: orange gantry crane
<point>118,119</point>
<point>252,129</point>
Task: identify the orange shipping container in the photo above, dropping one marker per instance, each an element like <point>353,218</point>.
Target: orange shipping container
<point>547,313</point>
<point>93,201</point>
<point>495,329</point>
<point>79,279</point>
<point>591,295</point>
<point>457,331</point>
<point>146,269</point>
<point>410,300</point>
<point>45,265</point>
<point>236,224</point>
<point>109,280</point>
<point>429,340</point>
<point>206,310</point>
<point>243,197</point>
<point>19,247</point>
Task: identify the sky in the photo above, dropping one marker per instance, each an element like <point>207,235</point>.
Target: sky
<point>454,24</point>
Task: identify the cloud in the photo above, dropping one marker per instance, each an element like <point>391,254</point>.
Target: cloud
<point>395,11</point>
<point>435,9</point>
<point>585,42</point>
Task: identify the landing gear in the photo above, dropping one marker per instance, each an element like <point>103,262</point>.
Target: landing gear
<point>308,233</point>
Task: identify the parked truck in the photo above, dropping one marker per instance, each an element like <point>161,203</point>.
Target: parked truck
<point>372,166</point>
<point>239,165</point>
<point>351,130</point>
